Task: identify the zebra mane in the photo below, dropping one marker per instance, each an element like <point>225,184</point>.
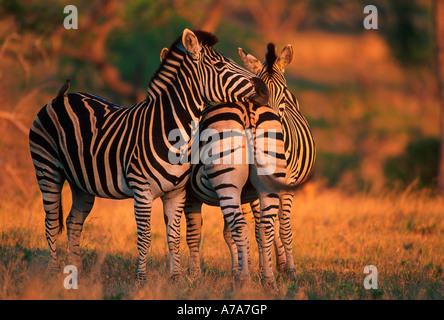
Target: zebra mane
<point>206,38</point>
<point>270,57</point>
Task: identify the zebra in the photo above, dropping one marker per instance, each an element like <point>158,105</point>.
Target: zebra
<point>105,150</point>
<point>300,156</point>
<point>299,142</point>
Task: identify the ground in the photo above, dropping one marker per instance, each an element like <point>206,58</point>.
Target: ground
<point>336,235</point>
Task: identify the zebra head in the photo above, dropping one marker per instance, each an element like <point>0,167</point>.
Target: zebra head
<point>272,73</point>
<point>219,78</point>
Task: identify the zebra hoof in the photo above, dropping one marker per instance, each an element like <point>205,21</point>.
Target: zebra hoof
<point>195,273</point>
<point>53,269</point>
<point>281,267</point>
<point>292,275</point>
<point>270,285</point>
<point>242,282</point>
<point>175,278</point>
<point>141,279</point>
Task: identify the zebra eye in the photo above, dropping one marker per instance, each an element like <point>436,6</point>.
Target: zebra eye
<point>281,108</point>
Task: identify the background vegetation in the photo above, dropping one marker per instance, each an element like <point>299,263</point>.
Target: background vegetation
<point>370,96</point>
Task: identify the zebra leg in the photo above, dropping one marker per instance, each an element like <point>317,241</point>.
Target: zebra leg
<point>246,210</point>
<point>82,204</point>
<point>239,231</point>
<point>143,202</point>
<point>193,216</point>
<point>281,260</point>
<point>230,205</point>
<point>269,204</point>
<point>232,247</point>
<point>256,208</point>
<point>173,206</point>
<point>51,188</point>
<point>285,232</point>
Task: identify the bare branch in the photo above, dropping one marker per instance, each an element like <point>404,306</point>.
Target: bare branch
<point>94,49</point>
<point>213,16</point>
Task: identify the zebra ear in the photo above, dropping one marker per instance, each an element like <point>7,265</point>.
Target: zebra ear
<point>285,58</point>
<point>163,53</point>
<point>191,43</point>
<point>249,61</point>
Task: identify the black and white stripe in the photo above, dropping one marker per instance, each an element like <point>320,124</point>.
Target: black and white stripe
<point>104,150</point>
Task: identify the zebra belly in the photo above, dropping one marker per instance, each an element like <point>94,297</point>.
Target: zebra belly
<point>111,185</point>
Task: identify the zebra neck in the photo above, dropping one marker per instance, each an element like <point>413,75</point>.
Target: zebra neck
<point>175,87</point>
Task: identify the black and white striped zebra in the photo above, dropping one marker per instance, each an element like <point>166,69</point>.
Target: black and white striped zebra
<point>104,150</point>
<point>300,156</point>
<point>299,142</point>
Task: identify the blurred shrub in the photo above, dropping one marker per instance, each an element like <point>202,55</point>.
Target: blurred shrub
<point>137,53</point>
<point>418,162</point>
<point>333,167</point>
<point>409,31</point>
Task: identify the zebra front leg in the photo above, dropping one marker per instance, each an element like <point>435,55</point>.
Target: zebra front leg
<point>232,247</point>
<point>193,216</point>
<point>285,232</point>
<point>82,204</point>
<point>281,259</point>
<point>143,202</point>
<point>173,206</point>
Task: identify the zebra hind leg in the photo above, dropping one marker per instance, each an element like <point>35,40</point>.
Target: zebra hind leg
<point>82,204</point>
<point>173,207</point>
<point>143,202</point>
<point>256,208</point>
<point>281,259</point>
<point>51,185</point>
<point>193,216</point>
<point>239,232</point>
<point>246,211</point>
<point>269,204</point>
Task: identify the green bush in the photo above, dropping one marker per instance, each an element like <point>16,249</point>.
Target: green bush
<point>332,167</point>
<point>418,162</point>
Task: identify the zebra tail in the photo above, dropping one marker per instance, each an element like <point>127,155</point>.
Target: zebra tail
<point>274,183</point>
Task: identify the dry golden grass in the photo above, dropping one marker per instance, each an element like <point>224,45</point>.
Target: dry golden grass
<point>335,237</point>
